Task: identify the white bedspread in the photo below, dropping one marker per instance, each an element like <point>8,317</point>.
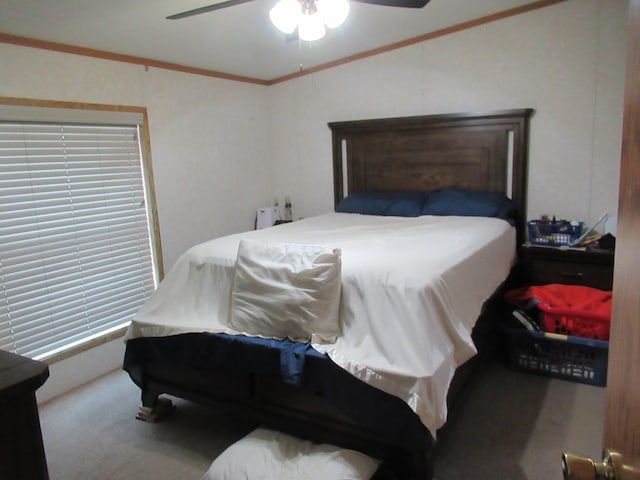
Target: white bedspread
<point>412,289</point>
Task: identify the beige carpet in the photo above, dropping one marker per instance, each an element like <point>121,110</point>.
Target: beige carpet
<point>515,426</point>
<point>512,426</point>
<point>92,433</point>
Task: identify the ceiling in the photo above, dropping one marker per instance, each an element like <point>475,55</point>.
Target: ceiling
<point>239,40</point>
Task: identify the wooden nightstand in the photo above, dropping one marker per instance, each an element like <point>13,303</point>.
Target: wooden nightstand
<point>544,265</point>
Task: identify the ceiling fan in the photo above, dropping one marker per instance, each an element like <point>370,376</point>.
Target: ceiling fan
<point>231,3</point>
<point>309,17</point>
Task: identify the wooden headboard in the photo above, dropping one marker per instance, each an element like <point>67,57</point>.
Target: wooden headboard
<point>477,151</point>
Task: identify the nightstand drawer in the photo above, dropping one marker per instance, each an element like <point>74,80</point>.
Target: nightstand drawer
<point>571,273</point>
<point>544,265</point>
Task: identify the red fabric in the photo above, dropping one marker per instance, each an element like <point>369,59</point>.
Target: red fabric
<point>569,309</point>
<point>564,296</point>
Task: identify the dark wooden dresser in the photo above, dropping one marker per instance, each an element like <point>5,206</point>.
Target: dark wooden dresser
<point>21,450</point>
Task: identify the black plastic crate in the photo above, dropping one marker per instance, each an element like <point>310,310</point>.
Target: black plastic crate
<point>582,360</point>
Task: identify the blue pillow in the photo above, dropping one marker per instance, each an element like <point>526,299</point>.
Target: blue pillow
<point>453,201</point>
<point>401,204</point>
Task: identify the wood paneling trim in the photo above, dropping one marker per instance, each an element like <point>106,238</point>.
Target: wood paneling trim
<point>36,102</point>
<point>61,47</point>
<point>145,146</point>
<point>117,57</point>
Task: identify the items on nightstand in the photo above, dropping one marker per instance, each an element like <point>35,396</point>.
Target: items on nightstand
<point>590,236</point>
<point>558,233</point>
<point>288,212</point>
<point>605,242</point>
<point>554,232</point>
<point>267,217</point>
<point>270,216</point>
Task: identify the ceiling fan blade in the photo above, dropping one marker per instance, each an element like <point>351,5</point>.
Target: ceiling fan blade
<point>397,3</point>
<point>207,8</point>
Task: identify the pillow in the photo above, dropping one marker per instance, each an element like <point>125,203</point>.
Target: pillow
<point>267,454</point>
<point>285,290</point>
<point>399,204</point>
<point>452,201</point>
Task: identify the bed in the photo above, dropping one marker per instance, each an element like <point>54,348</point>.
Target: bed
<point>380,375</point>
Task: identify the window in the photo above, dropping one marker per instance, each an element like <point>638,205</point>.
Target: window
<point>77,250</point>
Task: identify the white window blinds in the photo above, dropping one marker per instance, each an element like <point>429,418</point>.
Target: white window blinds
<point>76,257</point>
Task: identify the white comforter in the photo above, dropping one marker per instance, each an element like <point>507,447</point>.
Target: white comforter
<point>412,289</point>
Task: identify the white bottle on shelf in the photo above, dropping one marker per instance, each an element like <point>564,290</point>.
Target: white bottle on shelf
<point>288,214</point>
<point>276,204</point>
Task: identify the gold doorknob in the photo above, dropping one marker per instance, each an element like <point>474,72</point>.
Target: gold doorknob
<point>577,467</point>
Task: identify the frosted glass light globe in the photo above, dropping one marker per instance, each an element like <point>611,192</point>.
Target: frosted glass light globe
<point>333,12</point>
<point>311,27</point>
<point>285,15</point>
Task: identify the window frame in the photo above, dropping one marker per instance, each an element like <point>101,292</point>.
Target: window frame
<point>57,111</point>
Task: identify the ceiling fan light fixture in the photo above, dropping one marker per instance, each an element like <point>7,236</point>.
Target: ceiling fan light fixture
<point>333,12</point>
<point>285,15</point>
<point>311,27</point>
<point>309,16</point>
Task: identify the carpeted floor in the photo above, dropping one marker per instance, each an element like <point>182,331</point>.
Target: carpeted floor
<point>511,426</point>
<point>515,426</point>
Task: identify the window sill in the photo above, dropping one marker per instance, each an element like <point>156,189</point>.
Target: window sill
<point>57,357</point>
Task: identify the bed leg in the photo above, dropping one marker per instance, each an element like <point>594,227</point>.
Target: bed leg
<point>154,408</point>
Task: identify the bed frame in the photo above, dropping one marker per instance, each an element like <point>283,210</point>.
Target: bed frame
<point>486,151</point>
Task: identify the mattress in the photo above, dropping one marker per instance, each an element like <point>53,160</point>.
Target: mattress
<point>411,290</point>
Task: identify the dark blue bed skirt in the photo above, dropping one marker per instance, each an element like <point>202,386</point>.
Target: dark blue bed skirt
<point>383,417</point>
<point>229,352</point>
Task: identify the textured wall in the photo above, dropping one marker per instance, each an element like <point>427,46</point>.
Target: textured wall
<point>565,61</point>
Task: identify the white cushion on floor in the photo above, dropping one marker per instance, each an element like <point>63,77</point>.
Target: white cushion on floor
<point>270,455</point>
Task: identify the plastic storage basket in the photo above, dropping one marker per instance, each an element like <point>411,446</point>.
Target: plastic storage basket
<point>578,359</point>
<point>579,323</point>
<point>553,234</point>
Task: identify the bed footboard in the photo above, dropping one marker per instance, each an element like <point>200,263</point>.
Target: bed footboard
<point>330,406</point>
